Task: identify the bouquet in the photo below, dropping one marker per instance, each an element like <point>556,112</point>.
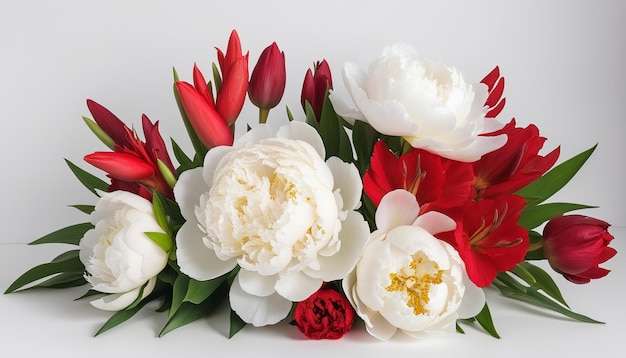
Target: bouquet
<point>396,205</point>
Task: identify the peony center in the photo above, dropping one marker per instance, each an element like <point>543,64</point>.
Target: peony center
<point>415,281</point>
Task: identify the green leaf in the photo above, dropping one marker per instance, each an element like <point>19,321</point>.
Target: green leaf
<point>90,181</point>
<point>544,282</point>
<point>551,182</point>
<point>534,216</point>
<point>459,329</point>
<point>179,154</point>
<point>68,235</point>
<point>364,137</point>
<point>310,115</point>
<point>62,280</point>
<point>535,250</point>
<point>162,239</point>
<point>289,114</point>
<point>121,316</point>
<point>198,291</point>
<point>179,291</point>
<point>68,263</point>
<point>484,319</point>
<point>236,324</point>
<point>189,312</point>
<point>336,140</point>
<point>160,215</point>
<point>100,134</point>
<point>87,209</point>
<point>217,78</point>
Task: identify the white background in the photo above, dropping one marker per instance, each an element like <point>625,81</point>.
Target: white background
<point>564,63</point>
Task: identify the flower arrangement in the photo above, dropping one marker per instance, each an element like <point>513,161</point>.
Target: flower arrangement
<point>395,206</point>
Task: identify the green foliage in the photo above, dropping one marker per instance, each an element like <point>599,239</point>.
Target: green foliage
<point>66,263</point>
<point>90,181</point>
<point>68,235</point>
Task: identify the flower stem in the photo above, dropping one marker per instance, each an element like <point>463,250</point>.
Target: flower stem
<point>263,113</point>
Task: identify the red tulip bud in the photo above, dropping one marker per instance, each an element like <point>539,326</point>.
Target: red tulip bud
<point>122,166</point>
<point>576,245</point>
<point>267,83</point>
<point>232,93</point>
<point>315,86</point>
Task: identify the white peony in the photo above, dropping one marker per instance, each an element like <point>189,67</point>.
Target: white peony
<point>118,257</point>
<point>428,104</point>
<point>272,205</point>
<point>407,279</point>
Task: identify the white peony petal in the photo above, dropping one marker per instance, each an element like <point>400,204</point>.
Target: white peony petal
<point>296,286</point>
<point>354,235</point>
<point>212,160</point>
<point>255,284</point>
<point>188,188</point>
<point>195,258</point>
<point>304,132</point>
<point>349,114</point>
<point>473,299</point>
<point>259,311</point>
<point>348,181</point>
<point>119,301</point>
<point>435,222</point>
<point>398,207</point>
<point>255,135</point>
<point>379,327</point>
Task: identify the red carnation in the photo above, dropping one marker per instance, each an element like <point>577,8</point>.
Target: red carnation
<point>326,314</point>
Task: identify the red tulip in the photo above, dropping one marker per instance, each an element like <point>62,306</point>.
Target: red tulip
<point>575,246</point>
<point>315,86</point>
<point>110,124</point>
<point>232,92</point>
<point>205,120</point>
<point>267,82</point>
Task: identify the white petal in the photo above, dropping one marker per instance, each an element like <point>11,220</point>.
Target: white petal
<point>435,222</point>
<point>396,208</point>
<point>255,284</point>
<point>379,327</point>
<point>354,235</point>
<point>350,114</point>
<point>473,299</point>
<point>197,260</point>
<point>119,301</point>
<point>259,311</point>
<point>255,135</point>
<point>304,132</point>
<point>188,189</point>
<point>348,181</point>
<point>212,160</point>
<point>297,286</point>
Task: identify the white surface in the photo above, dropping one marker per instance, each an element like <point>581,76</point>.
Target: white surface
<point>564,66</point>
<point>50,324</point>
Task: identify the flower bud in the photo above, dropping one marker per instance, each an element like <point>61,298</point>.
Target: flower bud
<point>575,245</point>
<point>326,314</point>
<point>267,82</point>
<point>315,86</point>
<point>122,166</point>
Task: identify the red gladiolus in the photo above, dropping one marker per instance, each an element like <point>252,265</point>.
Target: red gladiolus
<point>232,92</point>
<point>326,314</point>
<point>431,178</point>
<point>514,165</point>
<point>315,86</point>
<point>210,127</point>
<point>488,238</point>
<point>268,79</point>
<point>133,166</point>
<point>575,246</point>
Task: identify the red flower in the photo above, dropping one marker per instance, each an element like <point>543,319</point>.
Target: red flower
<point>133,165</point>
<point>488,238</point>
<point>315,86</point>
<point>431,178</point>
<point>326,314</point>
<point>267,82</point>
<point>495,85</point>
<point>576,245</point>
<point>232,92</point>
<point>514,165</point>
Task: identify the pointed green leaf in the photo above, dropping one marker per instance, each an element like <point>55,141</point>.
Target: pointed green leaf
<point>310,116</point>
<point>217,78</point>
<point>198,291</point>
<point>87,209</point>
<point>179,291</point>
<point>534,216</point>
<point>334,136</point>
<point>236,324</point>
<point>535,250</point>
<point>544,282</point>
<point>121,316</point>
<point>364,138</point>
<point>289,114</point>
<point>459,329</point>
<point>62,280</point>
<point>68,235</point>
<point>162,239</point>
<point>71,264</point>
<point>485,321</point>
<point>100,134</point>
<point>90,181</point>
<point>160,214</point>
<point>179,154</point>
<point>551,182</point>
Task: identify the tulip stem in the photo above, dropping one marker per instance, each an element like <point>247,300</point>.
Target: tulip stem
<point>263,113</point>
